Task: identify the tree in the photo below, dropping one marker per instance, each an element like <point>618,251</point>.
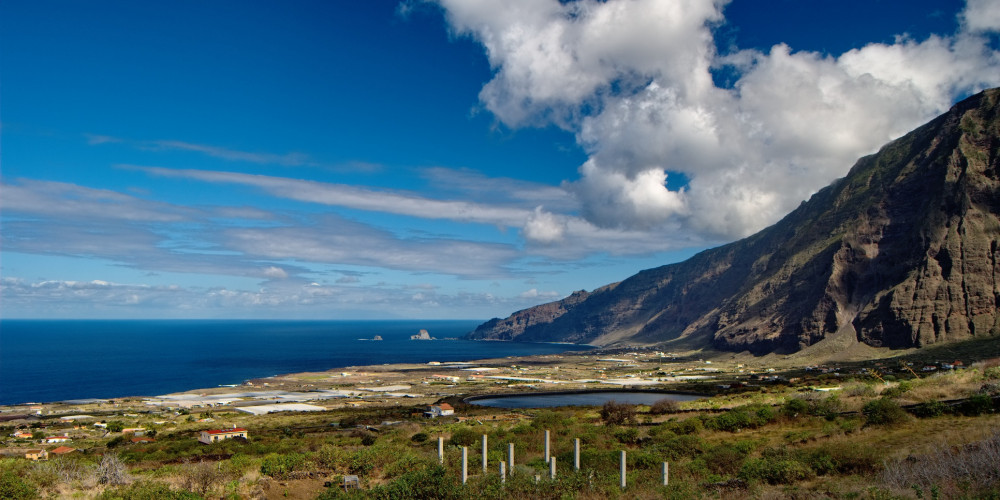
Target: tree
<point>115,426</point>
<point>111,470</point>
<point>615,413</point>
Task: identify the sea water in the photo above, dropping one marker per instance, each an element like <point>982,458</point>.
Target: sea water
<point>44,361</point>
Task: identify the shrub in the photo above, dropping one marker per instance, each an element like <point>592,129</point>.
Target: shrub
<point>930,409</point>
<point>615,413</point>
<point>464,436</point>
<point>15,487</point>
<point>420,437</point>
<point>146,490</point>
<point>742,417</point>
<point>429,482</point>
<point>774,470</point>
<point>281,466</point>
<point>724,459</point>
<point>664,406</point>
<point>115,426</point>
<point>883,411</point>
<point>628,435</point>
<point>795,407</point>
<point>976,405</point>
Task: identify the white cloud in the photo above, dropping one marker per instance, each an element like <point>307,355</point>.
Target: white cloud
<point>544,227</point>
<point>275,272</point>
<point>981,16</point>
<point>632,79</point>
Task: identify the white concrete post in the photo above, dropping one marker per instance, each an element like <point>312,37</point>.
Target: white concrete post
<point>510,457</point>
<point>503,472</point>
<point>441,450</point>
<point>552,468</point>
<point>666,473</point>
<point>623,469</point>
<point>485,463</point>
<point>465,464</point>
<point>547,446</point>
<point>576,454</point>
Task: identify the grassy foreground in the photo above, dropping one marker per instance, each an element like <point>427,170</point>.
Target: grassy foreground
<point>932,436</point>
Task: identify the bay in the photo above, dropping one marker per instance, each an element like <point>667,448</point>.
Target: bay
<point>45,361</point>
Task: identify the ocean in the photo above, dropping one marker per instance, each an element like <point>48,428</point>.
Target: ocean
<point>46,361</point>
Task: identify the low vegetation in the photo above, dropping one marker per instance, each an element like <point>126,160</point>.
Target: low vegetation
<point>931,437</point>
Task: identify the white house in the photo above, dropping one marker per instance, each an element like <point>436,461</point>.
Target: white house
<point>441,410</point>
<point>214,435</point>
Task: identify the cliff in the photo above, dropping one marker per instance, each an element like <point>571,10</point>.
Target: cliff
<point>902,252</point>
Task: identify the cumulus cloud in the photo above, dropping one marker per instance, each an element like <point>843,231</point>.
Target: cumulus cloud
<point>633,80</point>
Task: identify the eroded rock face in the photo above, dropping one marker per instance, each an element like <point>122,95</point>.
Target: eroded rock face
<point>904,251</point>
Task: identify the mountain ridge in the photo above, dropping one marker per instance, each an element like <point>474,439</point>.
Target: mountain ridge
<point>903,250</point>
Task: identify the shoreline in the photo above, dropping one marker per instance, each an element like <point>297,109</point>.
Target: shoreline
<point>400,384</point>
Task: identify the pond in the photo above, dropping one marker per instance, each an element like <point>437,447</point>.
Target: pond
<point>582,398</point>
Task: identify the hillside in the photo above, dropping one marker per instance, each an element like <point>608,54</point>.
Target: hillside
<point>902,252</point>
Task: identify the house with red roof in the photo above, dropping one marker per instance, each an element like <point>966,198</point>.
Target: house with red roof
<point>441,410</point>
<point>62,450</point>
<point>215,435</point>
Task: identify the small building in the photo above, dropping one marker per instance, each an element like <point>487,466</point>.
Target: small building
<point>63,450</point>
<point>56,439</point>
<point>36,455</point>
<point>441,410</point>
<point>214,435</point>
<point>21,435</point>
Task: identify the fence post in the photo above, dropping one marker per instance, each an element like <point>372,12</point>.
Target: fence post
<point>576,454</point>
<point>666,473</point>
<point>547,446</point>
<point>440,450</point>
<point>465,465</point>
<point>485,463</point>
<point>503,472</point>
<point>510,457</point>
<point>623,469</point>
<point>552,468</point>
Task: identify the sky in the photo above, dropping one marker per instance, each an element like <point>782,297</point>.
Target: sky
<point>452,159</point>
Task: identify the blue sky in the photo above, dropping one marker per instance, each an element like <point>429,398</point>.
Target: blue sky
<point>438,159</point>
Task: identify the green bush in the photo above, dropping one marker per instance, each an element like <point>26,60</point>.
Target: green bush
<point>749,416</point>
<point>774,470</point>
<point>281,466</point>
<point>420,437</point>
<point>146,490</point>
<point>976,405</point>
<point>464,436</point>
<point>14,487</point>
<point>724,459</point>
<point>795,407</point>
<point>930,409</point>
<point>628,435</point>
<point>615,413</point>
<point>883,411</point>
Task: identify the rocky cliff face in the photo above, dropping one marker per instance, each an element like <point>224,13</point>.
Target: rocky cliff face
<point>903,251</point>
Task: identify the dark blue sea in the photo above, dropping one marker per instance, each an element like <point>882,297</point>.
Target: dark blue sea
<point>45,361</point>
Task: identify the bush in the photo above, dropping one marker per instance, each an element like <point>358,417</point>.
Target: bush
<point>281,466</point>
<point>664,406</point>
<point>774,470</point>
<point>749,416</point>
<point>976,405</point>
<point>930,409</point>
<point>795,407</point>
<point>15,487</point>
<point>420,437</point>
<point>464,436</point>
<point>430,482</point>
<point>146,490</point>
<point>615,413</point>
<point>628,435</point>
<point>115,426</point>
<point>883,411</point>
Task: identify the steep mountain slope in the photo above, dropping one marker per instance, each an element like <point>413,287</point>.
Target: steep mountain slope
<point>903,251</point>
